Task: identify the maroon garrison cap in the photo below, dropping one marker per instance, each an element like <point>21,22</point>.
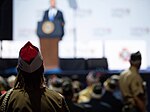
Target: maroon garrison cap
<point>29,58</point>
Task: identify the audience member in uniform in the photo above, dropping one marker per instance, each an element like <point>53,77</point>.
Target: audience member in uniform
<point>30,93</point>
<point>131,85</point>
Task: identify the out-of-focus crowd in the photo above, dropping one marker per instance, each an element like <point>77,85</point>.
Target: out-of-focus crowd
<point>6,83</point>
<point>96,94</point>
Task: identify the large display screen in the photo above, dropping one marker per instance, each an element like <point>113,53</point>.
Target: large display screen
<point>92,27</point>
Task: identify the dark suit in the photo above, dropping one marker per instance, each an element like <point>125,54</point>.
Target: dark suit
<point>57,18</point>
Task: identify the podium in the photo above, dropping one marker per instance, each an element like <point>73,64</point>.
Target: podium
<point>50,33</point>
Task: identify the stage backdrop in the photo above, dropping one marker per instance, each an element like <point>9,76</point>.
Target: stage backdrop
<point>92,29</point>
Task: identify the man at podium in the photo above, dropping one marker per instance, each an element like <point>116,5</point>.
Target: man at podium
<point>54,15</point>
<point>50,31</point>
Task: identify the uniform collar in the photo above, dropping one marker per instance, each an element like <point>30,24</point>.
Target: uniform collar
<point>133,68</point>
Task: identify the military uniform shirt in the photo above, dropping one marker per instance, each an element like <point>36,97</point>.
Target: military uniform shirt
<point>44,100</point>
<point>131,84</point>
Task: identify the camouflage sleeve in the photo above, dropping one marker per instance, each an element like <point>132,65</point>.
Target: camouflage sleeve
<point>65,107</point>
<point>4,100</point>
<point>1,101</point>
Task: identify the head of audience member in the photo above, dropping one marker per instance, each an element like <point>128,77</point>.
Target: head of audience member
<point>92,78</point>
<point>67,90</point>
<point>135,59</point>
<point>11,81</point>
<point>114,80</point>
<point>77,87</point>
<point>117,92</point>
<point>110,85</point>
<point>30,68</point>
<point>3,85</point>
<point>115,77</point>
<point>55,83</point>
<point>97,91</point>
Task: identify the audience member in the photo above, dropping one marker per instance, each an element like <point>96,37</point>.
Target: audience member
<point>76,88</point>
<point>117,91</point>
<point>55,83</point>
<point>85,94</point>
<point>68,92</point>
<point>95,104</point>
<point>11,81</point>
<point>30,93</point>
<point>108,97</point>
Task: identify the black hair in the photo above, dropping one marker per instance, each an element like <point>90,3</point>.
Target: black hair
<point>67,89</point>
<point>31,81</point>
